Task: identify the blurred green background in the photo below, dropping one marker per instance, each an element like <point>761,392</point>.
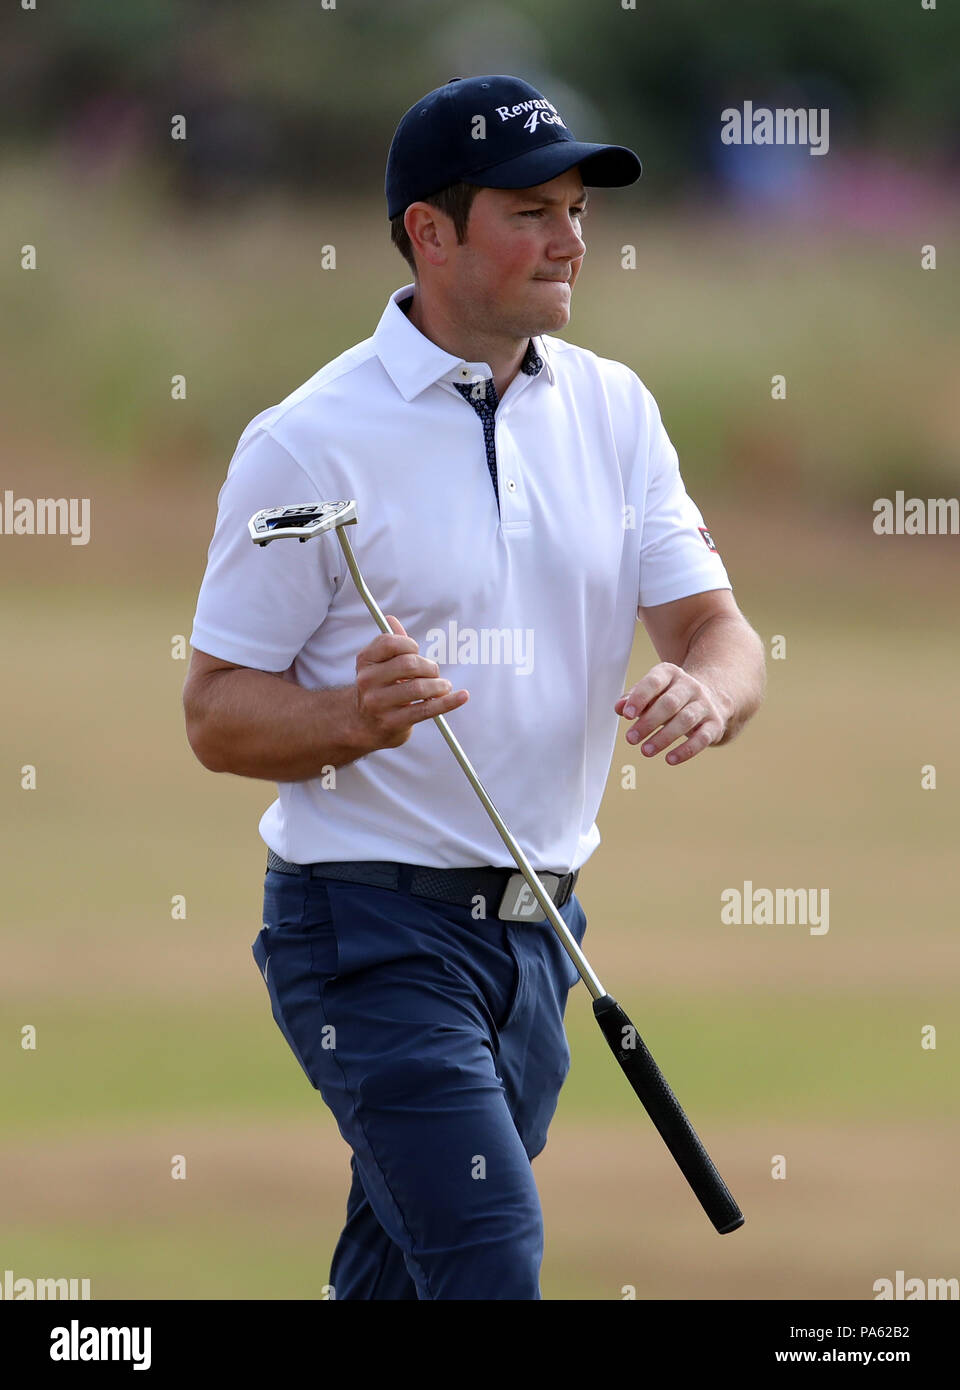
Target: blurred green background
<point>202,257</point>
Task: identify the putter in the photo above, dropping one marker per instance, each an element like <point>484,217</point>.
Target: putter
<point>303,521</point>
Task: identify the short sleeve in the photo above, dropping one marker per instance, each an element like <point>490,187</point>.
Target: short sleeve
<point>259,605</point>
<point>678,556</point>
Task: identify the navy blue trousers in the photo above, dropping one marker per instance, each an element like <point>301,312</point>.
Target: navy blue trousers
<point>437,1041</point>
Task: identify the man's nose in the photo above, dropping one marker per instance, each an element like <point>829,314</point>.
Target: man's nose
<point>569,244</point>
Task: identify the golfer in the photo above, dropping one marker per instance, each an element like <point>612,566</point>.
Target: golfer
<point>520,507</point>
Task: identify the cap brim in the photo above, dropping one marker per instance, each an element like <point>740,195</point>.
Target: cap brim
<point>601,166</point>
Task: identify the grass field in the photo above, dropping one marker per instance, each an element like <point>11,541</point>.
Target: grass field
<point>154,1035</point>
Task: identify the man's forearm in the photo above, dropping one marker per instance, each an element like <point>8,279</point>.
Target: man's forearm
<point>255,724</point>
<point>728,656</point>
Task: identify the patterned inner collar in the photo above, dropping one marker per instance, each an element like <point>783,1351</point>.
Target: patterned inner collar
<point>532,362</point>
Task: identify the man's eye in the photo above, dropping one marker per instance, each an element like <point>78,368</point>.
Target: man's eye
<point>538,212</point>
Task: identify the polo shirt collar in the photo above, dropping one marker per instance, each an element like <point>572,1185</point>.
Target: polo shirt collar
<point>413,362</point>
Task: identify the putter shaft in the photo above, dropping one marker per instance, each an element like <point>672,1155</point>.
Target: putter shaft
<point>567,940</point>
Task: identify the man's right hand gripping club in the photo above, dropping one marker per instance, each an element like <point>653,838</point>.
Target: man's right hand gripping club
<point>396,688</point>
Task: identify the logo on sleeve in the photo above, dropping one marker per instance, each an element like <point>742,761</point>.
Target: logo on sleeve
<point>708,539</point>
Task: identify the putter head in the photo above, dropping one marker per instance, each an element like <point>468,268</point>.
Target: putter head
<point>301,521</point>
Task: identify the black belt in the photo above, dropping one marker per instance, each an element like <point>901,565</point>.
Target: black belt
<point>460,886</point>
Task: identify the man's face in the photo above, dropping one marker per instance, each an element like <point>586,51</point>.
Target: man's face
<point>515,272</point>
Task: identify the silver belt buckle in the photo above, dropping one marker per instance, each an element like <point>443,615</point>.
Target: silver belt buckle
<point>519,904</point>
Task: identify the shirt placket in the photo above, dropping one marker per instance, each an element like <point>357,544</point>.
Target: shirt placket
<point>482,395</point>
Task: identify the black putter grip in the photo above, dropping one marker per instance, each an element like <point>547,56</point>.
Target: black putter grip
<point>665,1111</point>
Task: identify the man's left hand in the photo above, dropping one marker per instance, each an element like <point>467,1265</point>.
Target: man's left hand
<point>671,700</point>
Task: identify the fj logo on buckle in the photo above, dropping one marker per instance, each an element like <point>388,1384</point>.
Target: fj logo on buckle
<point>519,904</point>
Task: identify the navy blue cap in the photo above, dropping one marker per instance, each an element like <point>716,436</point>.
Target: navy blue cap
<point>521,141</point>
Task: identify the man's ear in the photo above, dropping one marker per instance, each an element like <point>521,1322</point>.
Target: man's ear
<point>426,232</point>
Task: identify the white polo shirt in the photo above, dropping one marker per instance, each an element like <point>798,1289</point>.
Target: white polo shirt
<point>526,597</point>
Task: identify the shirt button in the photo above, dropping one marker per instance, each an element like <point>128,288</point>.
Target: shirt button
<point>464,371</point>
<point>511,485</point>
